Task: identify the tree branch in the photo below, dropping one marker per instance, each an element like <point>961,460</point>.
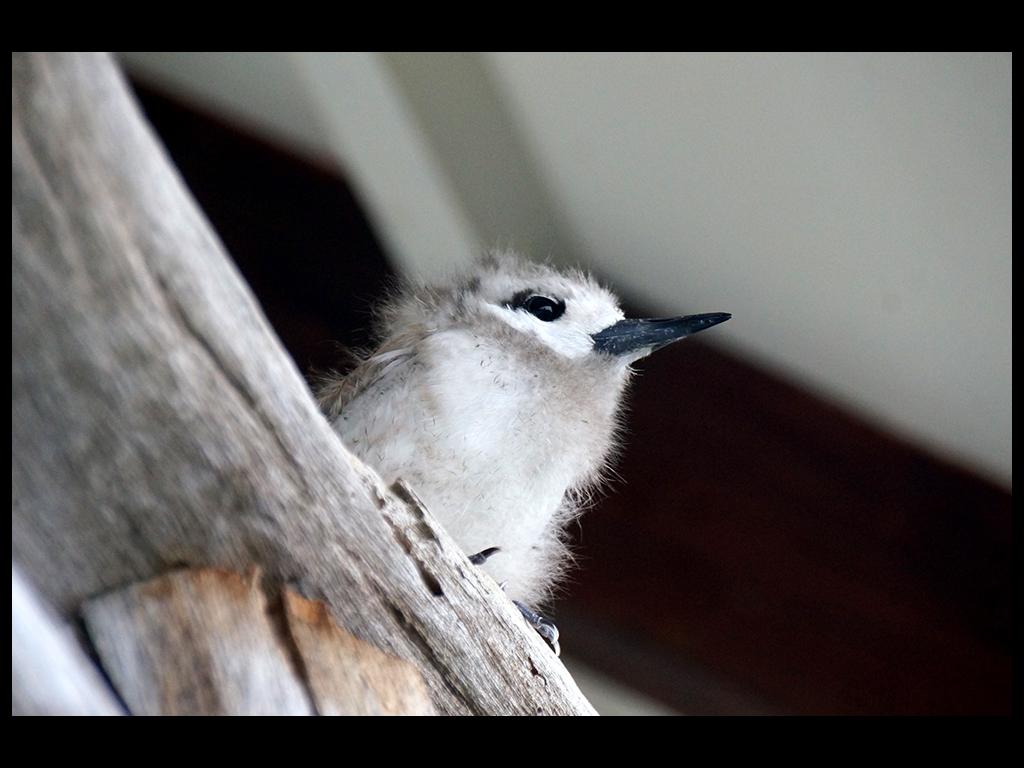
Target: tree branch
<point>156,420</point>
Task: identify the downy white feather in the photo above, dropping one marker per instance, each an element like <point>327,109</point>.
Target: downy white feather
<point>502,423</point>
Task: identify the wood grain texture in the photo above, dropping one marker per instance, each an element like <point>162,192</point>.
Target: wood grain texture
<point>196,642</point>
<point>157,421</point>
<point>204,641</point>
<point>345,675</point>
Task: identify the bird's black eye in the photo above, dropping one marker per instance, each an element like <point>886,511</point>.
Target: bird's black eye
<point>542,307</point>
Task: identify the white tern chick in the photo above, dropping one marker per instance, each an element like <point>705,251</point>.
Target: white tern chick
<point>497,399</point>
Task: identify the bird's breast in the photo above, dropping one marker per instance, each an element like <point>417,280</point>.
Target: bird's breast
<point>491,445</point>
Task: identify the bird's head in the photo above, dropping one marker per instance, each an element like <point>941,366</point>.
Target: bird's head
<point>565,311</point>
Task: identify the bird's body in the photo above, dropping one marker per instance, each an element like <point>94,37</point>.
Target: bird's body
<point>491,400</point>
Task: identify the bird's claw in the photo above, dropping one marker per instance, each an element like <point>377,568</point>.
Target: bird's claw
<point>544,627</point>
<point>541,625</point>
<point>483,555</point>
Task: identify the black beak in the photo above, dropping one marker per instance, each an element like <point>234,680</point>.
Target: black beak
<point>651,334</point>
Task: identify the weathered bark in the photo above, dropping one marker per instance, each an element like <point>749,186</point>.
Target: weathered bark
<point>195,642</point>
<point>347,676</point>
<point>204,641</point>
<point>156,421</point>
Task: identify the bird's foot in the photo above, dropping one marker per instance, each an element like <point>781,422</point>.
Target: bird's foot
<point>541,625</point>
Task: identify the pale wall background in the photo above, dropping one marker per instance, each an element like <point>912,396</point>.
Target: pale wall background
<point>852,211</point>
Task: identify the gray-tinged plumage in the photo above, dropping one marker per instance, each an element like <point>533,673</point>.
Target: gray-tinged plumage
<point>494,401</point>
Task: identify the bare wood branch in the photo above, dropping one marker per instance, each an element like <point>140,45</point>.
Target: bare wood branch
<point>347,676</point>
<point>156,420</point>
<point>196,642</point>
<point>211,642</point>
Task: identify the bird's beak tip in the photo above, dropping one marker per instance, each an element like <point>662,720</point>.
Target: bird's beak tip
<point>629,336</point>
